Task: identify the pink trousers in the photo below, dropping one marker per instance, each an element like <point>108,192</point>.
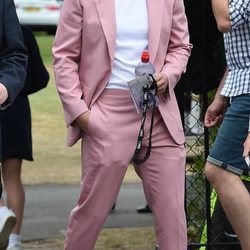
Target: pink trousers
<point>107,150</point>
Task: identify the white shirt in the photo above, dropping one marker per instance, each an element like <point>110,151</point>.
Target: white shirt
<point>131,40</point>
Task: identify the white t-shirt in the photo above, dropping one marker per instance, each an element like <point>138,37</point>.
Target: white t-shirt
<point>131,40</point>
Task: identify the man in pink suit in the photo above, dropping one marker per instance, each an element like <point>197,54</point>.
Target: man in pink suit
<point>97,46</point>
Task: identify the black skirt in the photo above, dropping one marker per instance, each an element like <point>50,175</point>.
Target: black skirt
<point>16,130</point>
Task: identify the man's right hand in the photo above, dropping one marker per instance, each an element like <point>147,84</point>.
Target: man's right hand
<point>215,112</point>
<point>83,120</point>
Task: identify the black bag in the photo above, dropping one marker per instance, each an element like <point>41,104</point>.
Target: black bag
<point>37,74</point>
<point>199,23</point>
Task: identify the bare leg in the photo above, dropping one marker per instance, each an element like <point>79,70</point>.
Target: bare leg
<point>11,169</point>
<point>235,200</point>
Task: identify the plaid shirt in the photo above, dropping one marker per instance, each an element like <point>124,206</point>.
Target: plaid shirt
<point>237,48</point>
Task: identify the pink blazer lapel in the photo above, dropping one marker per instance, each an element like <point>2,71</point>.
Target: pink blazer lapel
<point>155,13</point>
<point>106,12</point>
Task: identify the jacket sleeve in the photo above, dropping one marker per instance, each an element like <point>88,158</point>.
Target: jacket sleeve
<point>179,48</point>
<point>13,54</point>
<point>66,51</point>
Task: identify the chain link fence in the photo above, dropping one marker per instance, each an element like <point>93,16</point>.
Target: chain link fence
<point>208,227</point>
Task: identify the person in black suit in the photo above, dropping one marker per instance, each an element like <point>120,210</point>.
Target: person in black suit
<point>13,63</point>
<point>17,136</point>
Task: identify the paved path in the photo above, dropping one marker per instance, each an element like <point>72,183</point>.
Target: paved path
<point>48,206</point>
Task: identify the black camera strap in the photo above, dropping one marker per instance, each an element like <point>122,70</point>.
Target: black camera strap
<point>146,95</point>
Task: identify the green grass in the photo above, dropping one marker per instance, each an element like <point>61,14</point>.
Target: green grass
<point>45,45</point>
<point>109,239</point>
<point>53,161</point>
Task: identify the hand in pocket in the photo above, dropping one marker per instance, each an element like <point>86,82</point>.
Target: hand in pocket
<point>83,121</point>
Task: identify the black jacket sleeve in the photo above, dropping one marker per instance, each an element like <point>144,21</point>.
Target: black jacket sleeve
<point>13,54</point>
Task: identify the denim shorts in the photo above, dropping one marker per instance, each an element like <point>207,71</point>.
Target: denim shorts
<point>227,149</point>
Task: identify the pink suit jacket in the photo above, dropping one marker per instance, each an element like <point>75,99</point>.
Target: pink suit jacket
<point>84,48</point>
